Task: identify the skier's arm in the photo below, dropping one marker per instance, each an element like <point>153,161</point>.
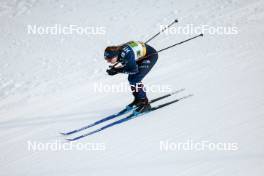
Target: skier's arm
<point>128,61</point>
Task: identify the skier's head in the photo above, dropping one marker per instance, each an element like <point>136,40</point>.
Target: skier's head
<point>111,54</point>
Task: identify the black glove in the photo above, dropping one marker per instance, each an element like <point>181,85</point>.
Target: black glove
<point>111,71</point>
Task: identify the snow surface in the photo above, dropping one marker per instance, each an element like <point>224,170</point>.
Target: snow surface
<point>46,86</point>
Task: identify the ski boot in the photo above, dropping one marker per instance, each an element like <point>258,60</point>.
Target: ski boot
<point>133,104</point>
<point>142,106</point>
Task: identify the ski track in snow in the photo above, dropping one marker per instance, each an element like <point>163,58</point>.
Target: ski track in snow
<point>46,86</point>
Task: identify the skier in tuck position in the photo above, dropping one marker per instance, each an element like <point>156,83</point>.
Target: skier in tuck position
<point>135,59</point>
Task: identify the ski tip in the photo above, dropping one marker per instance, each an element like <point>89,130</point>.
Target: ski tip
<point>177,91</point>
<point>69,140</point>
<point>187,96</point>
<point>64,134</point>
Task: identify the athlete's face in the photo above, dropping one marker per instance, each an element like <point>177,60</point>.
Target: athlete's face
<point>112,60</point>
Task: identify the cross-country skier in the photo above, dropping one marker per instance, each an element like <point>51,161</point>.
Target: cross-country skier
<point>135,59</point>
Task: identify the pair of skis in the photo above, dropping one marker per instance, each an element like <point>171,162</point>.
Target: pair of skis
<point>123,112</point>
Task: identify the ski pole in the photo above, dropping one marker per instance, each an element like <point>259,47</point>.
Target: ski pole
<point>168,47</point>
<point>200,35</point>
<point>154,36</point>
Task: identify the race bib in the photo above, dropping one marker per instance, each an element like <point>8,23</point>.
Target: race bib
<point>138,48</point>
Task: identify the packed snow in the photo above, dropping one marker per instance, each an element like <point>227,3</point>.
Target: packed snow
<point>47,86</point>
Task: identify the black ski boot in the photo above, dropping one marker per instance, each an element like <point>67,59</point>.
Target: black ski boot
<point>134,103</point>
<point>142,106</point>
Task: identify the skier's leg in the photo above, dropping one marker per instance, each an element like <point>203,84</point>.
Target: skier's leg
<point>144,67</point>
<point>137,86</point>
<point>139,95</point>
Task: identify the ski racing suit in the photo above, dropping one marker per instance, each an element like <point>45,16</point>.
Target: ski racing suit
<point>137,59</point>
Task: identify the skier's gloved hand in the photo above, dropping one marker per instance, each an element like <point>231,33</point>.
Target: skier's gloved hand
<point>113,71</point>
